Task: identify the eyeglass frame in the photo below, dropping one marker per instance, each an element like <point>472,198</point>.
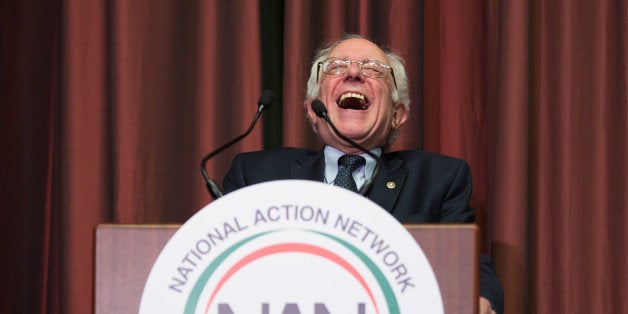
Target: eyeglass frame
<point>360,63</point>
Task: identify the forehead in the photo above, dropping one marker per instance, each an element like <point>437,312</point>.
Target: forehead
<point>358,49</point>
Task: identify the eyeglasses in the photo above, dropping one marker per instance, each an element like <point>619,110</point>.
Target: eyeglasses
<point>340,66</point>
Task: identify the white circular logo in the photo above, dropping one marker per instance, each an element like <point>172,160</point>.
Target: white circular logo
<point>291,247</point>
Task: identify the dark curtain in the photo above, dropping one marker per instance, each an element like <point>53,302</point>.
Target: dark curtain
<point>108,106</point>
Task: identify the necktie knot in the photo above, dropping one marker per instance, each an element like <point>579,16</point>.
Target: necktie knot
<point>352,162</point>
<point>347,164</point>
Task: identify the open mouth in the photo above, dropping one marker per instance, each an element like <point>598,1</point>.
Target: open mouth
<point>353,101</point>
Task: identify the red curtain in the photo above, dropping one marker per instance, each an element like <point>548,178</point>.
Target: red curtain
<point>108,106</point>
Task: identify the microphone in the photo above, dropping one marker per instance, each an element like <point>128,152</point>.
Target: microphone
<point>319,109</point>
<point>264,102</point>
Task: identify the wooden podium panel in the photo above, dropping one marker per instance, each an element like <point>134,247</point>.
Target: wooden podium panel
<point>125,255</point>
<point>453,253</point>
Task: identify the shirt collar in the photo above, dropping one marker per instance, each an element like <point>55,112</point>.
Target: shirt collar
<point>331,165</point>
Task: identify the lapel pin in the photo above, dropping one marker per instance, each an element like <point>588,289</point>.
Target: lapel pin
<point>390,185</point>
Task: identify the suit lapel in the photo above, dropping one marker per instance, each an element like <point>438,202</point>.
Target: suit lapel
<point>388,183</point>
<point>308,167</point>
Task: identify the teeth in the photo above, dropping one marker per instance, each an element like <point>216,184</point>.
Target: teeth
<point>353,101</point>
<point>351,95</point>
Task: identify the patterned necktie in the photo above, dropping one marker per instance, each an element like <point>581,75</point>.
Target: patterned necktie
<point>347,164</point>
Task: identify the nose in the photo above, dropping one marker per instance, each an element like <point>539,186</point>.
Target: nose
<point>353,72</point>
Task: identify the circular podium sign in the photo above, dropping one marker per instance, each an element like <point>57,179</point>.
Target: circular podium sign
<point>291,247</point>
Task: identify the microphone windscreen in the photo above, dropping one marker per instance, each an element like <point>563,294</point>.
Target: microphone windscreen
<point>266,99</point>
<point>319,108</point>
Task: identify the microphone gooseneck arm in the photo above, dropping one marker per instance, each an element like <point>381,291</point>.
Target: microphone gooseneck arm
<point>264,102</point>
<point>321,111</point>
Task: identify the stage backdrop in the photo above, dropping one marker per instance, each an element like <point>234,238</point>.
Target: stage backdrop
<point>107,107</point>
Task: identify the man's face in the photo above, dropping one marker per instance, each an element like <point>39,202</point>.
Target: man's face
<point>360,106</point>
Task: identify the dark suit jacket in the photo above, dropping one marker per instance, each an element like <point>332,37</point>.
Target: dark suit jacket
<point>414,186</point>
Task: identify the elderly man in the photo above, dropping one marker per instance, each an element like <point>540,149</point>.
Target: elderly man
<point>365,92</point>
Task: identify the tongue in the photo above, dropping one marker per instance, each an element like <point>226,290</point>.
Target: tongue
<point>353,103</point>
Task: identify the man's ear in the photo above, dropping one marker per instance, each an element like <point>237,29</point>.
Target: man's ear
<point>400,115</point>
<point>310,113</point>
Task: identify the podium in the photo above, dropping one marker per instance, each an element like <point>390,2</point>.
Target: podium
<point>124,255</point>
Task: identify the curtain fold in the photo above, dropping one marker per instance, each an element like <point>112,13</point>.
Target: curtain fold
<point>29,105</point>
<point>107,108</point>
<point>138,108</point>
<point>580,152</point>
<point>510,146</point>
